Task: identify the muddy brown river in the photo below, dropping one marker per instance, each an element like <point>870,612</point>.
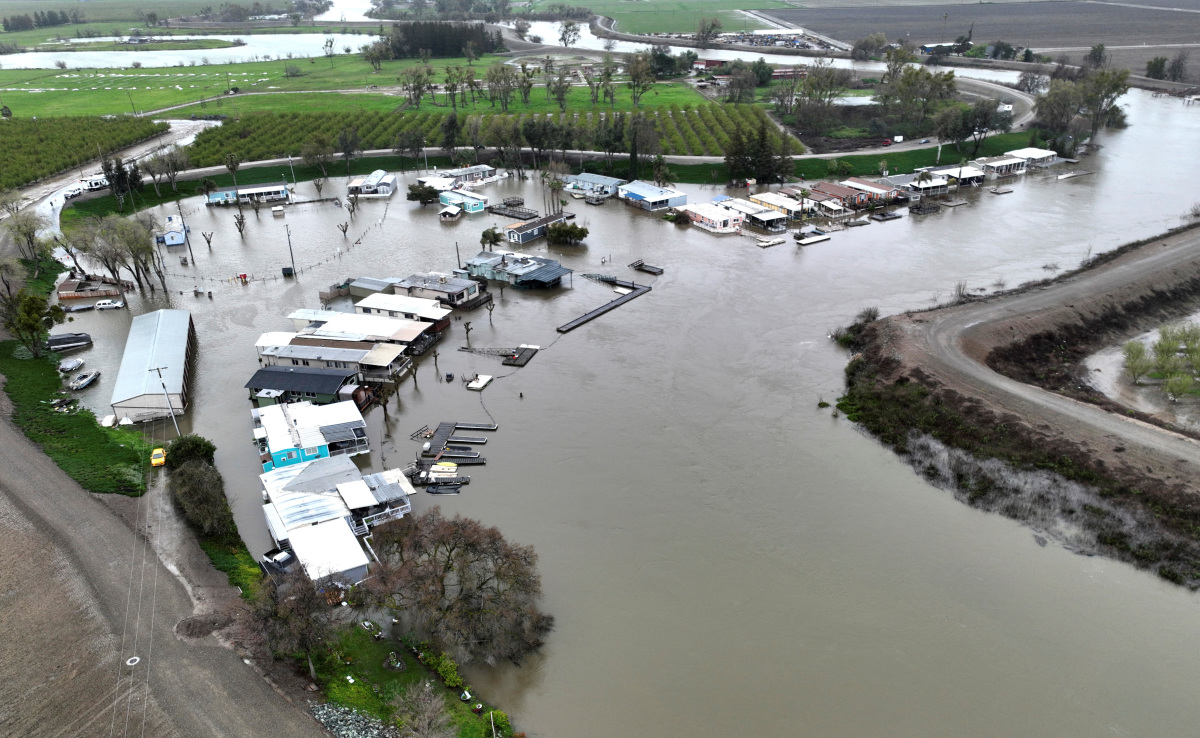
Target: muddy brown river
<point>722,557</point>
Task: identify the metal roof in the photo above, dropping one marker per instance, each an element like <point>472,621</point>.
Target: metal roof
<point>320,475</point>
<point>319,353</point>
<point>320,380</point>
<point>328,549</point>
<point>378,327</point>
<point>646,191</point>
<point>547,273</point>
<point>420,306</point>
<point>156,340</point>
<point>596,179</point>
<point>435,281</point>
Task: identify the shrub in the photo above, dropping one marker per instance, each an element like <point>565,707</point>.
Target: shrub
<point>189,448</point>
<point>199,491</point>
<point>503,726</point>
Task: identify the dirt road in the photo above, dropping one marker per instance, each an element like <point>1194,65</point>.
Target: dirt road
<point>952,347</point>
<point>84,593</point>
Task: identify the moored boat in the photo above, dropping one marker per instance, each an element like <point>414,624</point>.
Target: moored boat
<point>83,380</point>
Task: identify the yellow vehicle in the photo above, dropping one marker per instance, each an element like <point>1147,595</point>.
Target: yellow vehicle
<point>158,457</point>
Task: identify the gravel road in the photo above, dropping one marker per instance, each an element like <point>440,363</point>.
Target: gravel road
<point>953,344</point>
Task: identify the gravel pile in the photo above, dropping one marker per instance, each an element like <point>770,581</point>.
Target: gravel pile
<point>346,723</point>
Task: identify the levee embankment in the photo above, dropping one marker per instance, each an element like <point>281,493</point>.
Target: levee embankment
<point>1000,378</point>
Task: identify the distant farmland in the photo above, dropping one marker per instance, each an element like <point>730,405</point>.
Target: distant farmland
<point>1036,25</point>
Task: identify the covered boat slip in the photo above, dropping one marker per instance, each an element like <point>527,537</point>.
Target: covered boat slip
<point>161,341</point>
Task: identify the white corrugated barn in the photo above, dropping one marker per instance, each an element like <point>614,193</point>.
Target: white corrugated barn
<point>163,339</point>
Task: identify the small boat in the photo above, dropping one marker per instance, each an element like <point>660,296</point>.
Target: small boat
<point>62,402</point>
<point>68,341</point>
<point>83,380</point>
<point>443,489</point>
<point>768,242</point>
<point>66,366</point>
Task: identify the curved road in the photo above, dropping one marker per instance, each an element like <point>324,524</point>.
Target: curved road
<point>952,345</point>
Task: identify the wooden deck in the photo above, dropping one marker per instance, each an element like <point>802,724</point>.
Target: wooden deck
<point>637,290</point>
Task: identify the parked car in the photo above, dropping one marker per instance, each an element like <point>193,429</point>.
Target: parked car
<point>72,192</point>
<point>158,457</point>
<point>109,305</point>
<point>924,140</point>
<point>887,142</point>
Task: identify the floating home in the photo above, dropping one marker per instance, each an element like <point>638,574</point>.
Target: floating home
<point>1001,166</point>
<point>468,202</point>
<point>380,362</point>
<point>277,384</point>
<point>790,208</point>
<point>450,214</point>
<point>519,270</point>
<point>451,291</point>
<point>404,306</point>
<point>594,184</point>
<point>478,174</point>
<point>416,336</point>
<point>534,229</point>
<point>1034,157</point>
<point>753,214</point>
<point>331,489</point>
<point>877,192</point>
<point>650,197</point>
<point>300,431</point>
<point>377,184</point>
<point>164,340</point>
<point>713,218</point>
<point>173,233</point>
<point>261,193</point>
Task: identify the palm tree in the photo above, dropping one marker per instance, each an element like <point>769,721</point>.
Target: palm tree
<point>490,238</point>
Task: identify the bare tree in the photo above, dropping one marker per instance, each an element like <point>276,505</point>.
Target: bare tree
<point>239,220</point>
<point>423,712</point>
<point>474,593</point>
<point>294,615</point>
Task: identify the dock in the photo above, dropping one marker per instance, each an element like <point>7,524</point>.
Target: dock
<point>642,266</point>
<point>636,290</point>
<point>476,440</point>
<point>479,382</point>
<point>476,426</point>
<point>954,203</point>
<point>882,217</point>
<point>513,207</point>
<point>1073,175</point>
<point>1000,190</point>
<point>439,440</point>
<point>521,357</point>
<point>808,240</point>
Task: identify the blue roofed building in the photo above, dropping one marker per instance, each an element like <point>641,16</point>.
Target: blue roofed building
<point>650,197</point>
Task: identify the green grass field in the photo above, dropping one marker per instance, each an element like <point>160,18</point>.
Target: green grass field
<point>105,10</point>
<point>45,92</point>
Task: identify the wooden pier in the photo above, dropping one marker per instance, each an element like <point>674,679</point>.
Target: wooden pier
<point>438,443</point>
<point>513,211</point>
<point>642,266</point>
<point>636,290</point>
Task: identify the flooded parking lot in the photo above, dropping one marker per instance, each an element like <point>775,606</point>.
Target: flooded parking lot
<point>722,556</point>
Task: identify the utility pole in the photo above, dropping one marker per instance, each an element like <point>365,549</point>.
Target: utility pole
<point>186,238</point>
<point>158,370</point>
<point>290,253</point>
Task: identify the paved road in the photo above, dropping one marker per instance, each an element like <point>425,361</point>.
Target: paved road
<point>197,688</point>
<point>952,344</point>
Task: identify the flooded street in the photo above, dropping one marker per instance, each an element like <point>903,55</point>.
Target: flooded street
<point>721,556</point>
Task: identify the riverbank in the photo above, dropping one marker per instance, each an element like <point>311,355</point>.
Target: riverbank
<point>933,374</point>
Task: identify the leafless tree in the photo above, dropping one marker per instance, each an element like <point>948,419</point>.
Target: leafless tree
<point>239,220</point>
<point>294,615</point>
<point>422,709</point>
<point>471,591</point>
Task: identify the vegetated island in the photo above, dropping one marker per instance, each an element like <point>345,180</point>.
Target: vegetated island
<point>987,397</point>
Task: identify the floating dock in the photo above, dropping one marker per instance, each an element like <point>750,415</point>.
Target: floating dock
<point>478,440</point>
<point>882,217</point>
<point>521,357</point>
<point>1000,191</point>
<point>955,203</point>
<point>476,426</point>
<point>1073,175</point>
<point>637,290</point>
<point>513,211</point>
<point>808,240</point>
<point>479,382</point>
<point>642,266</point>
<point>439,440</point>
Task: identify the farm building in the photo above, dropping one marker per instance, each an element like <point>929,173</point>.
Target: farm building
<point>519,270</point>
<point>713,218</point>
<point>403,306</point>
<point>593,183</point>
<point>377,184</point>
<point>173,233</point>
<point>534,229</point>
<point>650,197</point>
<point>300,431</point>
<point>163,340</point>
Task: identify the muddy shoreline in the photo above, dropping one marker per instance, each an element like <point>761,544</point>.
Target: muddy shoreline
<point>913,380</point>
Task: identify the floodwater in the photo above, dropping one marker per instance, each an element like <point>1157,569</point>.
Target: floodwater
<point>723,557</point>
<point>258,47</point>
